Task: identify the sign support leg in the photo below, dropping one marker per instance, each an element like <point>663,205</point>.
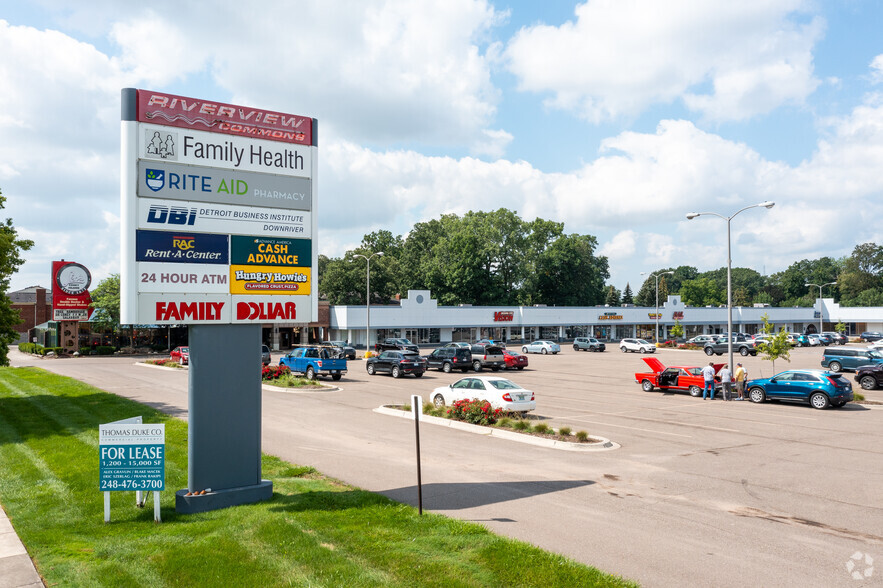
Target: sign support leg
<point>106,507</point>
<point>156,517</point>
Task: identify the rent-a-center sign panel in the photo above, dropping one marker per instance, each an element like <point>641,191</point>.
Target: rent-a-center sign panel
<point>219,205</point>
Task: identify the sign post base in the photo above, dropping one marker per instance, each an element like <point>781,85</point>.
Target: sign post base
<point>217,499</point>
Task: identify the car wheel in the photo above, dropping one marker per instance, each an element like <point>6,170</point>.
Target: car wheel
<point>743,352</point>
<point>835,366</point>
<point>576,348</point>
<point>418,374</point>
<point>709,351</point>
<point>695,391</point>
<point>524,350</point>
<point>396,372</point>
<point>647,386</point>
<point>476,365</point>
<point>446,367</point>
<point>868,382</point>
<point>335,377</point>
<point>756,395</point>
<point>543,351</point>
<point>623,349</point>
<point>438,401</point>
<point>311,373</point>
<point>370,369</point>
<point>819,400</point>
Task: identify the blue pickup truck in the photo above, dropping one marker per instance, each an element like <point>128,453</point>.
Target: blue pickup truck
<point>314,361</point>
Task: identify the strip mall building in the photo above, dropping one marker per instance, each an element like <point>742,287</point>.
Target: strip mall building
<point>418,317</point>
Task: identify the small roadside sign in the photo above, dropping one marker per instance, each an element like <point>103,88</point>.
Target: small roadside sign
<point>131,457</point>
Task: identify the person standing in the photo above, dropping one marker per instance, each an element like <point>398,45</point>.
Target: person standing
<point>740,381</point>
<point>727,382</point>
<point>708,376</point>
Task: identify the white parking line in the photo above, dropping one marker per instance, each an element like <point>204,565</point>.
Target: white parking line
<point>632,428</point>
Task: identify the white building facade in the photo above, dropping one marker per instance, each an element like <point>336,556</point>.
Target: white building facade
<point>418,317</point>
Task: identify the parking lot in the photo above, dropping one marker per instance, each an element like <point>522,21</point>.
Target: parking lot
<point>700,493</point>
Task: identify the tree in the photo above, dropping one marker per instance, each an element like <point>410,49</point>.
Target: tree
<point>775,346</point>
<point>106,304</point>
<point>627,297</point>
<point>862,271</point>
<point>702,292</point>
<point>677,331</point>
<point>11,248</point>
<point>569,274</point>
<point>612,297</point>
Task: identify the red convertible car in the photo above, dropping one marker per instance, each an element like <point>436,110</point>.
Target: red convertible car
<point>677,377</point>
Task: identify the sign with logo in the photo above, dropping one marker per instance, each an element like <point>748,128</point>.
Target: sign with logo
<point>131,456</point>
<point>221,151</point>
<point>222,218</point>
<point>610,316</point>
<point>70,291</point>
<point>192,113</point>
<point>157,179</point>
<point>677,315</point>
<point>169,308</point>
<point>654,315</point>
<point>181,247</point>
<point>268,309</point>
<point>504,316</point>
<point>275,251</point>
<point>252,279</point>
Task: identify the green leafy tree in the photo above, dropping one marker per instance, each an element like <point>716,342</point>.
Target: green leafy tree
<point>627,297</point>
<point>11,248</point>
<point>677,330</point>
<point>702,292</point>
<point>776,346</point>
<point>106,305</point>
<point>612,297</point>
<point>646,295</point>
<point>569,274</point>
<point>840,327</point>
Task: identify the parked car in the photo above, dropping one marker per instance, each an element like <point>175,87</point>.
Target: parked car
<point>847,359</point>
<point>701,340</point>
<point>820,389</point>
<point>803,340</point>
<point>395,343</point>
<point>514,360</point>
<point>741,345</point>
<point>837,338</point>
<point>314,361</point>
<point>180,355</point>
<point>825,339</point>
<point>687,378</point>
<point>396,363</point>
<point>458,344</point>
<point>636,345</point>
<point>487,356</point>
<point>871,336</point>
<point>814,340</point>
<point>265,355</point>
<point>492,342</point>
<point>588,344</point>
<point>344,349</point>
<point>448,359</point>
<point>869,376</point>
<point>500,392</point>
<point>543,347</point>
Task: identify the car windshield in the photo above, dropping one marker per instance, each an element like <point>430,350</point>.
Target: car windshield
<point>504,385</point>
<point>404,341</point>
<point>642,342</point>
<point>875,354</point>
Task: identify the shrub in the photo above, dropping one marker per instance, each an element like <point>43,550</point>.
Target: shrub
<point>55,350</point>
<point>564,431</point>
<point>477,412</point>
<point>541,428</point>
<point>30,348</point>
<point>105,350</point>
<point>582,436</point>
<point>504,423</point>
<point>85,350</point>
<point>158,348</point>
<point>688,346</point>
<point>521,425</point>
<point>270,372</point>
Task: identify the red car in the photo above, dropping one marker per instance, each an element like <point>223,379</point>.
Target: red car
<point>687,378</point>
<point>514,359</point>
<point>181,355</point>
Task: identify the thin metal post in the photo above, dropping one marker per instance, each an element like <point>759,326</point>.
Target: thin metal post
<point>416,406</point>
<point>156,517</point>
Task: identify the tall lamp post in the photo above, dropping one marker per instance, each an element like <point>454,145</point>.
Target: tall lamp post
<point>692,215</point>
<point>656,336</point>
<point>820,286</point>
<point>368,297</point>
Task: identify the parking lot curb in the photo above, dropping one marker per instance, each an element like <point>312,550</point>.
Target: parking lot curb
<point>288,390</point>
<point>602,444</point>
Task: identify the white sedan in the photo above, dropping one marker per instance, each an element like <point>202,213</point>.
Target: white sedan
<point>500,392</point>
<point>543,347</point>
<point>639,345</point>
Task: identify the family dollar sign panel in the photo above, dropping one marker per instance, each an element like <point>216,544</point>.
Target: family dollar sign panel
<point>218,206</point>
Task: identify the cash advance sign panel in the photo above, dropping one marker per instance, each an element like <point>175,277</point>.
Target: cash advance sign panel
<point>218,204</point>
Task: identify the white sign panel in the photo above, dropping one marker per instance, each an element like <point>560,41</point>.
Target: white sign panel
<point>170,215</point>
<point>223,151</point>
<point>265,309</point>
<point>183,278</point>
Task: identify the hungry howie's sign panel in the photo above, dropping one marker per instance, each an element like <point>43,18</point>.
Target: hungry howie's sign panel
<point>250,279</point>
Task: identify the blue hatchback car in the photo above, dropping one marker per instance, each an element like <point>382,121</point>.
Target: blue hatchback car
<point>820,389</point>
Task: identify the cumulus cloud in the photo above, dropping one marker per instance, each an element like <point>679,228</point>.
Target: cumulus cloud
<point>618,58</point>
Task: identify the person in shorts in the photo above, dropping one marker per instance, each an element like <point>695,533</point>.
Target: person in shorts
<point>741,376</point>
<point>727,382</point>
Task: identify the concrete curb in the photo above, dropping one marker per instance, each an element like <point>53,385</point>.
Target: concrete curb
<point>286,390</point>
<point>603,445</point>
<point>16,568</point>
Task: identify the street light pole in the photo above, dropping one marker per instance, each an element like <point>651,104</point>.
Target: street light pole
<point>820,286</point>
<point>692,215</point>
<point>656,316</point>
<point>368,297</point>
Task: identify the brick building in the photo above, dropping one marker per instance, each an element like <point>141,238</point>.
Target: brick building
<point>34,304</point>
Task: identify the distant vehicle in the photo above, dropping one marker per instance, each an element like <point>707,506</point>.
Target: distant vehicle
<point>588,344</point>
<point>870,377</point>
<point>500,392</point>
<point>448,359</point>
<point>542,347</point>
<point>820,389</point>
<point>514,359</point>
<point>492,342</point>
<point>313,362</point>
<point>838,338</point>
<point>636,345</point>
<point>871,336</point>
<point>458,344</point>
<point>803,340</point>
<point>180,355</point>
<point>397,364</point>
<point>814,340</point>
<point>265,355</point>
<point>344,349</point>
<point>847,359</point>
<point>487,356</point>
<point>741,345</point>
<point>396,343</point>
<point>687,378</point>
<point>701,340</point>
<point>825,339</point>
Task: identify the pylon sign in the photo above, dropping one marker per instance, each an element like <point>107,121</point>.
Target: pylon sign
<point>205,185</point>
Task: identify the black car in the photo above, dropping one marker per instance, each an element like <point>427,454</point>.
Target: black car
<point>869,377</point>
<point>343,349</point>
<point>838,338</point>
<point>395,343</point>
<point>450,358</point>
<point>396,363</point>
<point>871,336</point>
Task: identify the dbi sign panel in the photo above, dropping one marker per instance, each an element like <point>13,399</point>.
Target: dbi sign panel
<point>218,205</point>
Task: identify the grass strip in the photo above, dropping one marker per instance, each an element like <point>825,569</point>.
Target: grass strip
<point>315,531</point>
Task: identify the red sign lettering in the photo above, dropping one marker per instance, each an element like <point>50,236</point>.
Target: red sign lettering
<point>503,316</point>
<point>184,311</point>
<point>265,311</point>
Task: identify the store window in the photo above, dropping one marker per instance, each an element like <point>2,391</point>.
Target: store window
<point>550,333</point>
<point>463,335</point>
<point>577,331</point>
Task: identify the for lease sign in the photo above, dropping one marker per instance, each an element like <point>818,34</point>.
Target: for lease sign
<point>131,457</point>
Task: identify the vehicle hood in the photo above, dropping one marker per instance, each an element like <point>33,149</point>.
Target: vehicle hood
<point>654,364</point>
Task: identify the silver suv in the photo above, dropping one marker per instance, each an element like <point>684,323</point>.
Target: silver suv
<point>588,344</point>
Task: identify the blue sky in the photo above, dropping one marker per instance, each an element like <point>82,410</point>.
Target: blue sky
<point>616,118</point>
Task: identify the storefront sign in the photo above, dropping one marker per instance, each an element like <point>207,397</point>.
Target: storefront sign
<point>610,316</point>
<point>504,316</point>
<point>166,277</point>
<point>181,247</point>
<point>654,315</point>
<point>247,279</point>
<point>222,218</point>
<point>270,251</point>
<point>70,291</point>
<point>678,315</point>
<point>179,309</point>
<point>131,457</point>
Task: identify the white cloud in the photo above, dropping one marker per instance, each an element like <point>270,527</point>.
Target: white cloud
<point>620,247</point>
<point>494,143</point>
<point>618,58</point>
<point>877,69</point>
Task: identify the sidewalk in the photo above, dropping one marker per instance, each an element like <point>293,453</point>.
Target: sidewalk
<point>16,568</point>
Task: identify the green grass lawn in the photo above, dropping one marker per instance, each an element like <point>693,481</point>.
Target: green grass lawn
<point>315,531</point>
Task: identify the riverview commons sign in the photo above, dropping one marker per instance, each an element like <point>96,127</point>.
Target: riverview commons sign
<point>218,207</point>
